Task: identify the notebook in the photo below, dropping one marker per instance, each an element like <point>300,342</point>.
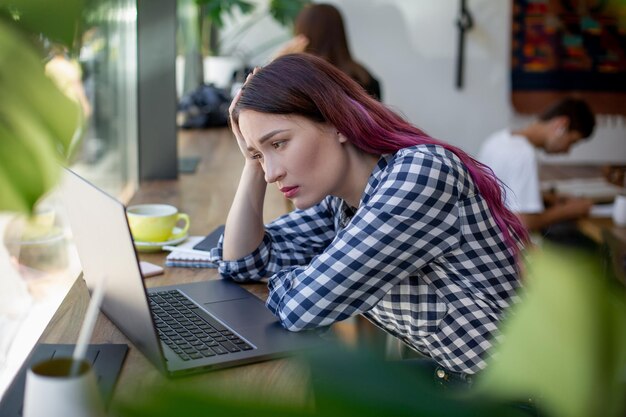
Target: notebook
<point>185,256</point>
<point>195,252</point>
<point>106,361</point>
<point>211,240</point>
<point>200,326</point>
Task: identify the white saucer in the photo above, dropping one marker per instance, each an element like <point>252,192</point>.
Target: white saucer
<point>157,246</point>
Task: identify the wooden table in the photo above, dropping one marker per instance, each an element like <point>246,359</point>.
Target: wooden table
<point>206,196</point>
<point>602,230</point>
<point>590,226</point>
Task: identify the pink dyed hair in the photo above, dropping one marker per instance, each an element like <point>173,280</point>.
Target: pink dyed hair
<point>308,86</point>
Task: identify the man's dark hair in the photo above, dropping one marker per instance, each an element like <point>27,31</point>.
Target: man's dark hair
<point>581,118</point>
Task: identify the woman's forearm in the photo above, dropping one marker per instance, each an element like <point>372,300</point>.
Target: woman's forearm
<point>244,224</point>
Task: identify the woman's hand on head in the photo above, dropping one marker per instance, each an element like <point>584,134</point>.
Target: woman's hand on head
<point>235,126</point>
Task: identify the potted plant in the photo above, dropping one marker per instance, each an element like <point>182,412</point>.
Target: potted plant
<point>222,55</point>
<point>210,65</point>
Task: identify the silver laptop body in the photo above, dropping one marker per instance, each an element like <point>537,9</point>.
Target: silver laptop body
<point>105,247</point>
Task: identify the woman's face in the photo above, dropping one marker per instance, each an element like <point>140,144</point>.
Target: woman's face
<point>306,160</point>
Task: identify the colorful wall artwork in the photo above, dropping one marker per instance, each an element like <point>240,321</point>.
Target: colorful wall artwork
<point>569,47</point>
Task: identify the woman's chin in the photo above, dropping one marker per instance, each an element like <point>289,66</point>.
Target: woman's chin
<point>302,204</point>
<point>298,204</point>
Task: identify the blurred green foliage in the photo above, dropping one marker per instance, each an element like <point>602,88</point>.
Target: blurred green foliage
<point>37,121</point>
<point>215,10</point>
<point>283,11</point>
<point>286,11</point>
<point>344,383</point>
<point>57,21</point>
<point>563,344</point>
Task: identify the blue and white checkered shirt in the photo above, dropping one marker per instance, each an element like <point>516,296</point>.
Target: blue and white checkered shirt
<point>421,257</point>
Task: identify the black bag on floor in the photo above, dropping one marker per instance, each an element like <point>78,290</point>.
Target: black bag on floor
<point>206,106</point>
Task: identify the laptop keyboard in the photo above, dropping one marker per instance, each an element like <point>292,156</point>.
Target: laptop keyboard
<point>190,331</point>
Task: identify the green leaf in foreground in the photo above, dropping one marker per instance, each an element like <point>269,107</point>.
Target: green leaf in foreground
<point>55,20</point>
<point>343,383</point>
<point>37,124</point>
<point>566,342</point>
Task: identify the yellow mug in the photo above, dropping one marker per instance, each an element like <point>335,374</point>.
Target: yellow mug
<point>156,222</point>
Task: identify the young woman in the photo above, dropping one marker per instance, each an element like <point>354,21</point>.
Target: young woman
<point>319,30</point>
<point>390,223</point>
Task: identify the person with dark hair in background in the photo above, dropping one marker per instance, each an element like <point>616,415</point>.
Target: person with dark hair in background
<point>512,156</point>
<point>389,223</point>
<point>319,30</point>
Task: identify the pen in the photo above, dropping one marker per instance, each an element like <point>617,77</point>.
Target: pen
<point>202,253</point>
<point>87,328</point>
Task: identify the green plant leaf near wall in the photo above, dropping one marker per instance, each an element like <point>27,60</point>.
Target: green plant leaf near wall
<point>216,9</point>
<point>37,123</point>
<point>286,11</point>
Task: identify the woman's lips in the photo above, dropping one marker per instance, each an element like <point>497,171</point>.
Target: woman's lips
<point>290,191</point>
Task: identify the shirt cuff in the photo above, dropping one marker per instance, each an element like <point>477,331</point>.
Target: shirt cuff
<point>278,286</point>
<point>250,267</point>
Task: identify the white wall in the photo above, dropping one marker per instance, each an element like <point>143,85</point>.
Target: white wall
<point>411,46</point>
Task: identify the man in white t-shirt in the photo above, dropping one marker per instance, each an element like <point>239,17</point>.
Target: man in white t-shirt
<point>512,157</point>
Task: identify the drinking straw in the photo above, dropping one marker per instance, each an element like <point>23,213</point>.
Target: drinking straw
<point>87,328</point>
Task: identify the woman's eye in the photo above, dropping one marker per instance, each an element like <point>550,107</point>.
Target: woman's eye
<point>256,156</point>
<point>278,144</point>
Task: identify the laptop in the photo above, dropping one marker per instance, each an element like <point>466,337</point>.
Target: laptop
<point>181,329</point>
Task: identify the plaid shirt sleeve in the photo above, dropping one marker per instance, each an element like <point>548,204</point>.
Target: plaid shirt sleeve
<point>409,220</point>
<point>291,240</point>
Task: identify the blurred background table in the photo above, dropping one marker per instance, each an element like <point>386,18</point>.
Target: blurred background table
<point>602,230</point>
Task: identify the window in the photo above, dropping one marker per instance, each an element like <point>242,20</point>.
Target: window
<point>105,74</point>
<point>108,59</point>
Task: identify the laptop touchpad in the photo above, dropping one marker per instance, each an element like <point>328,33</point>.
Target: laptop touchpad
<point>215,292</point>
<point>241,313</point>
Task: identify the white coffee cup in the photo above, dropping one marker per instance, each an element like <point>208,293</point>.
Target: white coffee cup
<point>619,210</point>
<point>51,391</point>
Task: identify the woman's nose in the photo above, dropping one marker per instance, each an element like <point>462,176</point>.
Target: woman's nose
<point>273,172</point>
